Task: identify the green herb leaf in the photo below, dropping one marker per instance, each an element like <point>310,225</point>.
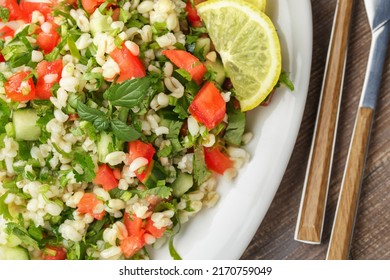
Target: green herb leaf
<point>172,250</point>
<point>236,126</point>
<point>5,113</point>
<point>183,73</point>
<point>2,77</point>
<point>101,123</point>
<point>16,55</point>
<point>162,192</point>
<point>75,251</point>
<point>201,173</point>
<point>285,80</point>
<point>86,162</point>
<point>128,94</point>
<point>4,207</point>
<point>35,232</point>
<point>21,233</point>
<point>73,48</point>
<point>123,131</point>
<point>4,14</point>
<point>87,113</point>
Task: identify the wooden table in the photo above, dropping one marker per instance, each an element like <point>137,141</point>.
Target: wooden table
<point>275,237</point>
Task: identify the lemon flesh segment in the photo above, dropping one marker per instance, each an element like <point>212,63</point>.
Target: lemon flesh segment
<point>260,4</point>
<point>249,47</point>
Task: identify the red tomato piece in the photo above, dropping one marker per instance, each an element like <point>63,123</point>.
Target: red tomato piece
<point>130,66</point>
<point>48,38</point>
<point>1,57</point>
<point>14,9</point>
<point>45,8</point>
<point>133,224</point>
<point>216,160</point>
<point>6,31</point>
<point>53,253</point>
<point>131,245</point>
<point>91,5</point>
<point>138,149</point>
<point>105,177</point>
<point>87,205</point>
<point>19,88</point>
<point>188,62</point>
<point>153,230</point>
<point>208,106</point>
<point>192,15</point>
<point>49,73</point>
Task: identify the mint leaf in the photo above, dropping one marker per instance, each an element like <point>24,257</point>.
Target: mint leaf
<point>87,113</point>
<point>101,123</point>
<point>128,94</point>
<point>123,131</point>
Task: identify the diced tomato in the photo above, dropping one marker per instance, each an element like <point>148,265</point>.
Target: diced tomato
<point>192,15</point>
<point>6,31</point>
<point>14,9</point>
<point>48,38</point>
<point>105,177</point>
<point>49,73</point>
<point>133,224</point>
<point>153,230</point>
<point>117,173</point>
<point>208,106</point>
<point>73,117</point>
<point>188,62</point>
<point>88,203</point>
<point>131,245</point>
<point>130,66</point>
<point>54,253</point>
<point>19,87</point>
<point>138,149</point>
<point>45,8</point>
<point>91,5</point>
<point>268,100</point>
<point>216,160</point>
<point>136,229</point>
<point>1,57</point>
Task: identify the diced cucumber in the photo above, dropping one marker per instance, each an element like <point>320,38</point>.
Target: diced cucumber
<point>182,184</point>
<point>25,126</point>
<point>218,68</point>
<point>202,46</point>
<point>105,145</point>
<point>100,23</point>
<point>13,253</point>
<point>157,173</point>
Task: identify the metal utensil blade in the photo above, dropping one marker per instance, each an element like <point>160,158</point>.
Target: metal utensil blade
<point>378,12</point>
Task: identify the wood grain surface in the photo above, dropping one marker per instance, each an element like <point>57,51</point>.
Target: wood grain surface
<point>371,241</point>
<point>340,238</point>
<point>309,227</point>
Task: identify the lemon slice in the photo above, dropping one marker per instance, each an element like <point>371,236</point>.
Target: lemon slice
<point>258,4</point>
<point>249,47</point>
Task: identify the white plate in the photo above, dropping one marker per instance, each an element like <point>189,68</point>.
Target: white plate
<point>225,231</point>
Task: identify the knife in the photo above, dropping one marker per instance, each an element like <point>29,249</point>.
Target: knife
<point>315,190</point>
<point>378,12</point>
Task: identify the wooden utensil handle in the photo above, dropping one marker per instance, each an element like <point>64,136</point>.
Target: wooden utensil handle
<point>313,203</point>
<point>350,188</point>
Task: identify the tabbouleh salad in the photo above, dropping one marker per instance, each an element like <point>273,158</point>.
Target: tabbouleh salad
<point>116,117</point>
